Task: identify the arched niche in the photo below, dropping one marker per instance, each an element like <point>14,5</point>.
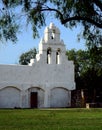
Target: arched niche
<point>9,97</point>
<point>59,97</point>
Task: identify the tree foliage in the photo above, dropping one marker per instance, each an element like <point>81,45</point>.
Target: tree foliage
<point>88,70</point>
<point>70,13</point>
<point>8,24</point>
<point>25,57</point>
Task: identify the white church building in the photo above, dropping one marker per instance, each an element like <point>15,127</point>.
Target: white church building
<point>45,83</point>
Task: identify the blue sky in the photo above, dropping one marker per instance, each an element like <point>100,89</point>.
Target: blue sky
<point>10,53</point>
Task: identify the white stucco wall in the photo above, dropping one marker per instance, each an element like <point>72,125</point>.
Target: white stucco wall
<point>53,81</point>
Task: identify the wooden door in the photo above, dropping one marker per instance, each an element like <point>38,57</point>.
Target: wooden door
<point>34,99</point>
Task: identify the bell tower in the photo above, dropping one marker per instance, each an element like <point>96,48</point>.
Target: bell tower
<point>51,47</point>
<point>52,34</point>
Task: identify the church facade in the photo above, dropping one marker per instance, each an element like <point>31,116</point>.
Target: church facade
<point>45,83</point>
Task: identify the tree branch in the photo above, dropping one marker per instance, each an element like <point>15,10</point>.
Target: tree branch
<point>55,10</point>
<point>89,20</point>
<point>99,25</point>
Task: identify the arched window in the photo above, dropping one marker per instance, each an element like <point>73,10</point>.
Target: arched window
<point>58,56</point>
<point>49,56</point>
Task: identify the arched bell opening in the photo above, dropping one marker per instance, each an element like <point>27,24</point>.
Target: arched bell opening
<point>58,56</point>
<point>49,56</point>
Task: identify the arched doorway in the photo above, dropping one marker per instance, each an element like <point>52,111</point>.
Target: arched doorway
<point>36,97</point>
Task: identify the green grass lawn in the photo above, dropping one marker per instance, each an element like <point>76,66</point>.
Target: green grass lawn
<point>61,119</point>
